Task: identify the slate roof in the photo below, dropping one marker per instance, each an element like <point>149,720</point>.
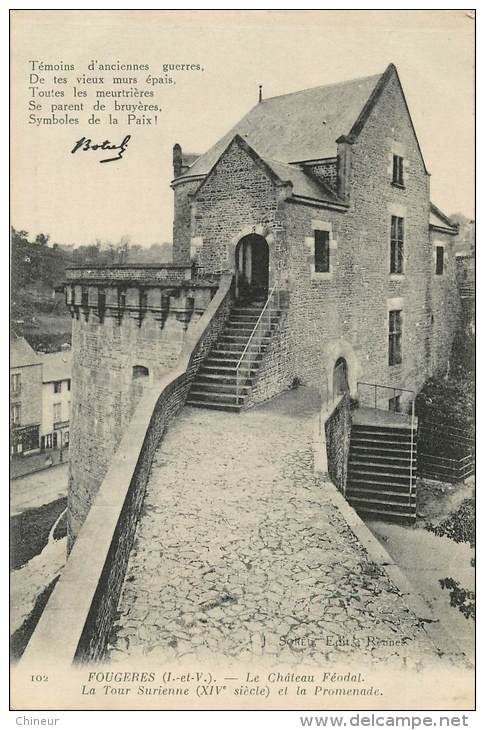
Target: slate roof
<point>303,125</point>
<point>56,366</point>
<point>21,353</point>
<point>303,185</point>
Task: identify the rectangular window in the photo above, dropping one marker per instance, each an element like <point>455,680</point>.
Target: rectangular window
<point>15,383</point>
<point>397,170</point>
<point>395,404</point>
<point>69,384</point>
<point>57,412</point>
<point>397,244</point>
<point>16,414</point>
<point>57,386</point>
<point>395,335</point>
<point>322,252</point>
<point>440,259</point>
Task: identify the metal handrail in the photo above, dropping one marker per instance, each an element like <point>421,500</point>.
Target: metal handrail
<point>411,452</point>
<point>251,336</point>
<point>413,418</point>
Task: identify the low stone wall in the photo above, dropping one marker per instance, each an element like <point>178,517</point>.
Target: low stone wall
<point>130,272</point>
<point>275,372</point>
<point>77,620</point>
<point>337,425</point>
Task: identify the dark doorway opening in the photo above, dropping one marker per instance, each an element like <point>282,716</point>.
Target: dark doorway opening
<point>252,268</point>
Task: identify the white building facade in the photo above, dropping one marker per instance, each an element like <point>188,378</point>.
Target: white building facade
<point>56,400</point>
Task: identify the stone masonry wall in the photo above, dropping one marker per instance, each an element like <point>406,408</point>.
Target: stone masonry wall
<point>98,560</point>
<point>105,393</point>
<point>275,372</point>
<point>326,171</point>
<point>236,198</point>
<point>337,434</point>
<point>181,221</point>
<point>319,307</point>
<point>350,306</point>
<point>445,314</point>
<point>171,400</point>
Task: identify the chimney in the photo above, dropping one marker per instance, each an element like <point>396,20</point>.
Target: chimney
<point>177,160</point>
<point>344,166</point>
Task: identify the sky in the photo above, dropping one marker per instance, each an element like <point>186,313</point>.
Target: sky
<point>76,200</point>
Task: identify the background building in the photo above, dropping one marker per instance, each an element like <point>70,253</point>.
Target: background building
<point>25,397</point>
<point>56,399</point>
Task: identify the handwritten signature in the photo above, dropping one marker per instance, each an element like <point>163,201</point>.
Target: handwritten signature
<point>85,144</point>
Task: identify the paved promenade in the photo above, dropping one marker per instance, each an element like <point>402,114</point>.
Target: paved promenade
<point>240,553</point>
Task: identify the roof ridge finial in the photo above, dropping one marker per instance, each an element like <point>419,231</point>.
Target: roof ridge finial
<point>260,93</point>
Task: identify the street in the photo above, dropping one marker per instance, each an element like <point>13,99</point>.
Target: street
<point>37,511</point>
<point>37,489</point>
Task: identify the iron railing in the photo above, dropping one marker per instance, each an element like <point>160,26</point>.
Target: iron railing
<point>447,469</point>
<point>376,387</point>
<point>255,342</point>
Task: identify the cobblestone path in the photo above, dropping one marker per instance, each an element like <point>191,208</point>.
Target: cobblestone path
<point>239,552</point>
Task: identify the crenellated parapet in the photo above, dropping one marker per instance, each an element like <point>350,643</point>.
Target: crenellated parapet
<point>128,292</point>
<point>129,327</point>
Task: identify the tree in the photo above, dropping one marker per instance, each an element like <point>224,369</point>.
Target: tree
<point>42,239</point>
<point>122,248</point>
<point>460,527</point>
<point>466,235</point>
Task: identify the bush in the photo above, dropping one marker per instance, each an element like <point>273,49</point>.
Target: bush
<point>460,527</point>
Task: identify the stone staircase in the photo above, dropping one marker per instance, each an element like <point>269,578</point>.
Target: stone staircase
<point>215,384</point>
<point>379,471</point>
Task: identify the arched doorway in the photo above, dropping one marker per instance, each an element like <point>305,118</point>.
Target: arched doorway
<point>340,379</point>
<point>252,268</point>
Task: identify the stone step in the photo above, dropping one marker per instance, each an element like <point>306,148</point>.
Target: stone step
<point>236,317</point>
<point>248,360</point>
<point>242,330</point>
<point>392,456</point>
<point>383,503</point>
<point>378,512</point>
<point>227,370</point>
<point>244,309</point>
<point>220,378</point>
<point>223,352</point>
<point>377,485</point>
<point>236,352</point>
<point>200,394</point>
<point>229,339</point>
<point>214,405</point>
<point>215,386</point>
<point>357,492</point>
<point>388,468</point>
<point>381,442</point>
<point>382,431</point>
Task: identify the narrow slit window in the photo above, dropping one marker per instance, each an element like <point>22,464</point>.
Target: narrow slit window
<point>397,170</point>
<point>395,337</point>
<point>322,252</point>
<point>397,244</point>
<point>140,371</point>
<point>440,260</point>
